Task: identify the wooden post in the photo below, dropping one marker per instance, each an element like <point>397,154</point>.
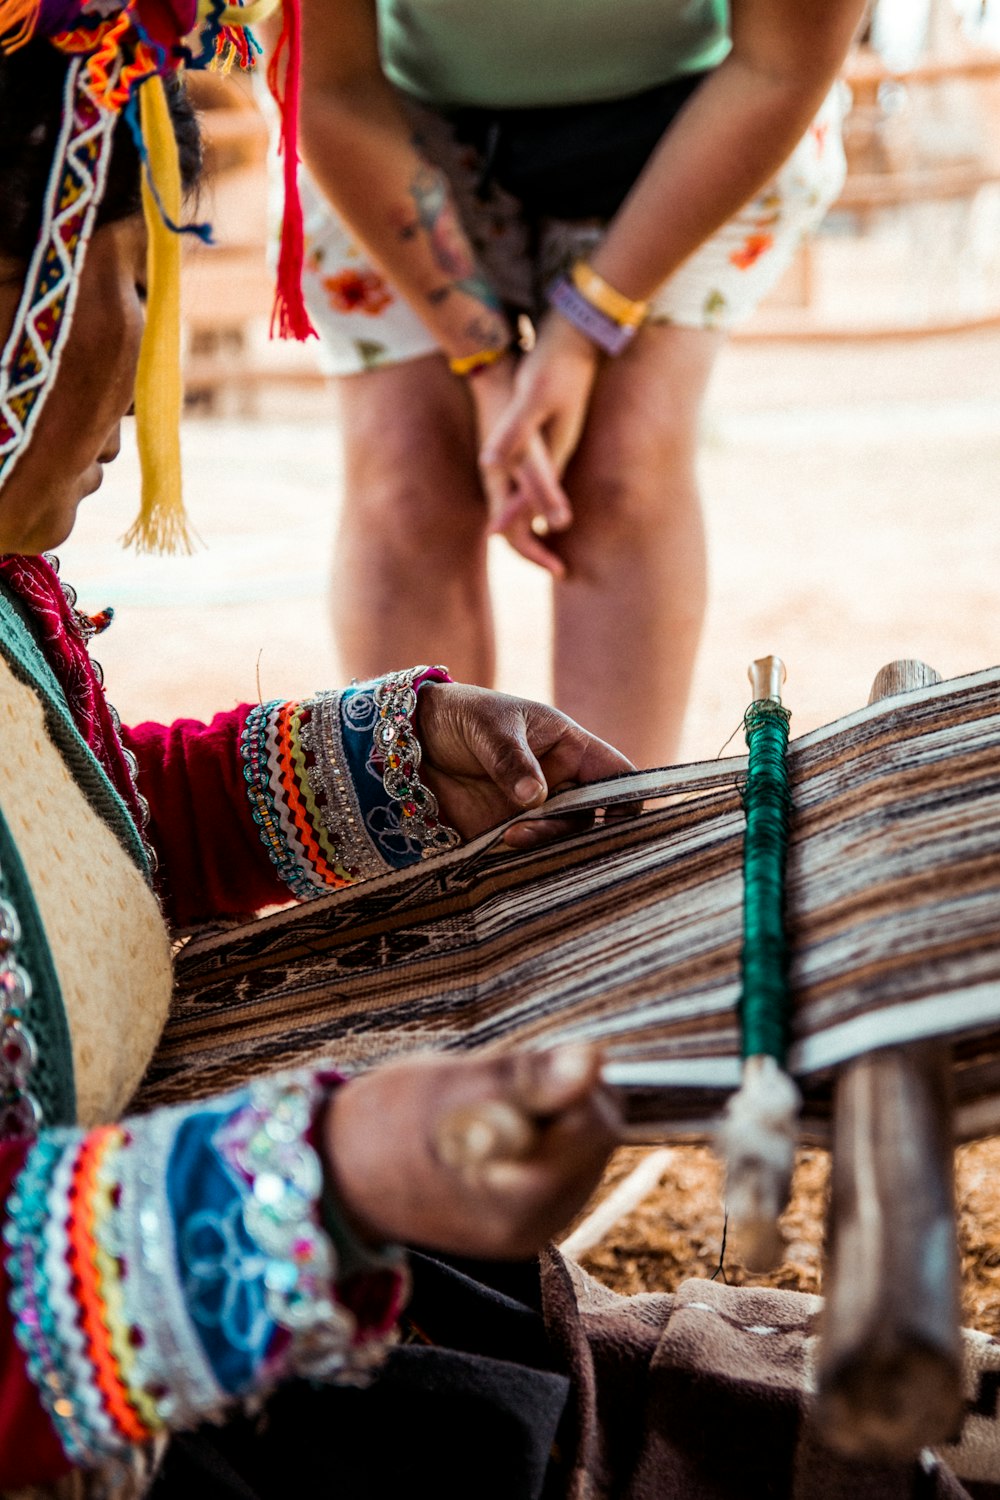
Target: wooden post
<point>889,1376</point>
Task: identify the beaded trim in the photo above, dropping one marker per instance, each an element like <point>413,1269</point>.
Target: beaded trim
<point>396,742</point>
<point>330,775</point>
<point>34,1307</point>
<point>20,1111</point>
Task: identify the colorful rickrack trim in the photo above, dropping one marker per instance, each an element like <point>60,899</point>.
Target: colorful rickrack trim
<point>91,1291</point>
<point>305,765</point>
<point>124,1335</point>
<point>267,1144</point>
<point>397,744</point>
<point>261,771</point>
<point>34,347</point>
<point>302,799</point>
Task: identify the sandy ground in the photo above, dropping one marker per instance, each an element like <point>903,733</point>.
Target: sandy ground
<point>850,492</point>
<point>851,495</point>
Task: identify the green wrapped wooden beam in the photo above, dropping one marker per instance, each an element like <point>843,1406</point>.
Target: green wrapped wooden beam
<point>764,1003</point>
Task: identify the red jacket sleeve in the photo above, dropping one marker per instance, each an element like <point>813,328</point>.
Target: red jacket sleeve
<point>211,860</point>
<point>30,1452</point>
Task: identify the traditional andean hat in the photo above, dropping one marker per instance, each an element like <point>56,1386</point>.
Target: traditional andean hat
<point>119,55</point>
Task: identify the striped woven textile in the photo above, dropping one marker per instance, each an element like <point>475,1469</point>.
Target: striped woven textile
<point>630,932</point>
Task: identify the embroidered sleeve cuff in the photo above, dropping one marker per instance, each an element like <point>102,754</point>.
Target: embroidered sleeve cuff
<point>334,783</point>
<point>163,1268</point>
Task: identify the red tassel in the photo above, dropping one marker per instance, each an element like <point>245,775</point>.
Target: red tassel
<point>289,313</point>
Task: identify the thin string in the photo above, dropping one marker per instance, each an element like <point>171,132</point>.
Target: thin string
<point>766,799</point>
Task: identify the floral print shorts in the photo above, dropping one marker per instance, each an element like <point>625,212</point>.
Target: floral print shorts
<point>364,323</point>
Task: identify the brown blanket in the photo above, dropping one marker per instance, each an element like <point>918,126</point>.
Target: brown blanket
<point>704,1394</point>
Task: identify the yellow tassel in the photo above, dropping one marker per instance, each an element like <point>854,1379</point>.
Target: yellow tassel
<point>161,525</point>
<point>17,22</point>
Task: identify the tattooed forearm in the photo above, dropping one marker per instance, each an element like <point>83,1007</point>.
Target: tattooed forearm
<point>487,333</point>
<point>436,216</point>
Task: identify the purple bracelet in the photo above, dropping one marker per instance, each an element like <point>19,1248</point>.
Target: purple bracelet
<point>603,331</point>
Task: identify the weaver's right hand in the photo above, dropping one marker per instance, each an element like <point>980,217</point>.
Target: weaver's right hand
<point>483,1156</point>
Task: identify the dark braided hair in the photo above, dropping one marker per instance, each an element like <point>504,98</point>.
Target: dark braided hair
<point>31,90</point>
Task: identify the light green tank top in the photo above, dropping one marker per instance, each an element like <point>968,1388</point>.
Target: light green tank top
<point>532,52</point>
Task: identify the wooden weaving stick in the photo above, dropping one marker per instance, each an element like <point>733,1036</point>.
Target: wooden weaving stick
<point>889,1376</point>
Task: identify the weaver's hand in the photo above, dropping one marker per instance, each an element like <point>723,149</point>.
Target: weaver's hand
<point>488,756</point>
<point>547,407</point>
<point>482,1156</point>
<point>526,491</point>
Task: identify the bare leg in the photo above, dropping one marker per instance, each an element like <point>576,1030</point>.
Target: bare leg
<point>628,617</point>
<point>409,573</point>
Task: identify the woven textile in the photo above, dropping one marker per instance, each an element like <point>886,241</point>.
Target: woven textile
<point>630,932</point>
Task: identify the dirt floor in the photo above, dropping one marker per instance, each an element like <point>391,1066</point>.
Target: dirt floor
<point>676,1232</point>
<point>851,498</point>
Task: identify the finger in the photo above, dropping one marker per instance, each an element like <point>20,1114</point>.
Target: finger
<point>573,754</point>
<point>503,499</point>
<point>562,437</point>
<point>502,750</point>
<point>548,1082</point>
<point>541,831</point>
<point>490,1130</point>
<point>508,442</point>
<point>538,479</point>
<point>531,546</point>
<point>516,508</point>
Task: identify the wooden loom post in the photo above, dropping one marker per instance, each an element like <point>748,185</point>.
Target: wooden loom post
<point>889,1374</point>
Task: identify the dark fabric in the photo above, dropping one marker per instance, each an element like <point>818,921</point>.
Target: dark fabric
<point>704,1394</point>
<point>476,1418</point>
<point>573,161</point>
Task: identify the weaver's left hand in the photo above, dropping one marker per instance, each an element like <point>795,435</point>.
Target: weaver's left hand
<point>488,756</point>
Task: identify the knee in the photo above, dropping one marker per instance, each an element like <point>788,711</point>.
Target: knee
<point>631,484</point>
<point>409,493</point>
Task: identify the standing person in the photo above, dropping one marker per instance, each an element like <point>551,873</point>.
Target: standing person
<point>610,168</point>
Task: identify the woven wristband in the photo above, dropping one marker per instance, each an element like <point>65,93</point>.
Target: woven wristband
<point>468,365</point>
<point>614,338</point>
<point>602,295</point>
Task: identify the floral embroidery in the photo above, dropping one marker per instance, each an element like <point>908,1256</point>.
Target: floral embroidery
<point>714,306</point>
<point>750,252</point>
<point>357,291</point>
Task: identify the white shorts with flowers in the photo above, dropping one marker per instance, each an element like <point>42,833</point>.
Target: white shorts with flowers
<point>363,322</point>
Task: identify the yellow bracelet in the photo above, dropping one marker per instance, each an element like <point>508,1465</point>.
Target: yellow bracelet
<point>468,364</point>
<point>614,305</point>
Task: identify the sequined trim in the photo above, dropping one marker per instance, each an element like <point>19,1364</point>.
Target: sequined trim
<point>334,787</point>
<point>266,1142</point>
<point>330,774</point>
<point>170,1362</point>
<point>396,742</point>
